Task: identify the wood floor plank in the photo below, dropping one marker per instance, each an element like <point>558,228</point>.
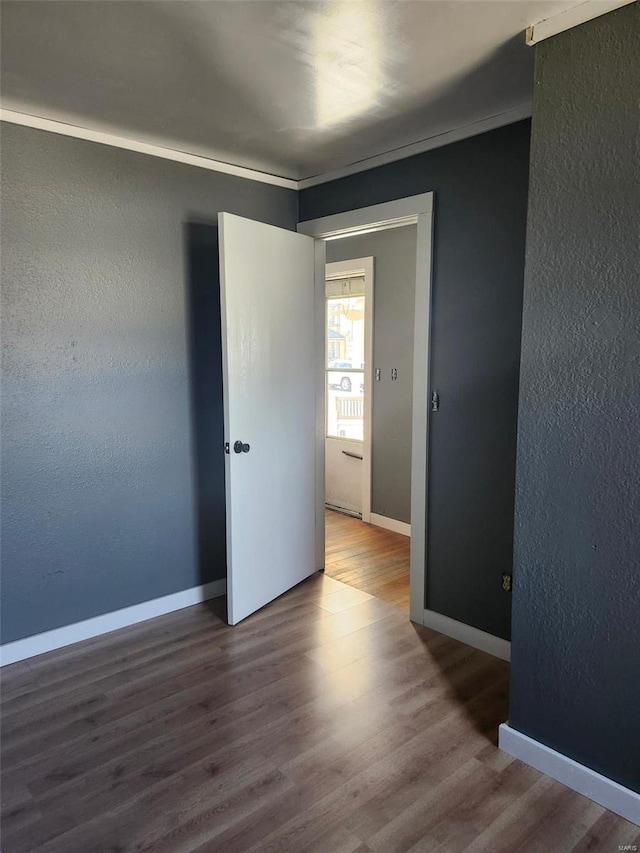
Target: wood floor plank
<point>325,722</point>
<point>336,840</point>
<point>516,823</point>
<point>131,641</point>
<point>369,558</point>
<point>565,828</point>
<point>483,806</point>
<point>609,832</point>
<point>18,680</point>
<point>106,667</point>
<point>382,775</point>
<point>426,811</point>
<point>95,711</point>
<point>18,809</point>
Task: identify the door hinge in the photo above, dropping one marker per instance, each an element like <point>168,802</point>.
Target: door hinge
<point>435,401</point>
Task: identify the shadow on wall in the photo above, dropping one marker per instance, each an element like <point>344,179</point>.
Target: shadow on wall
<point>205,364</point>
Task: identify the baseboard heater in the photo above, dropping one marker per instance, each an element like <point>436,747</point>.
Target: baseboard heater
<point>351,513</point>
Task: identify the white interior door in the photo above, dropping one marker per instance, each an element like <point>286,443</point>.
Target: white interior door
<point>270,398</point>
<point>348,358</point>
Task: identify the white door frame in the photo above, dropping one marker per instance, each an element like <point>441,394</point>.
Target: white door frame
<point>414,210</point>
<point>361,266</point>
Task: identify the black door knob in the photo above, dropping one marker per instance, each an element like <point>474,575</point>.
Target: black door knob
<point>246,448</point>
<point>237,447</point>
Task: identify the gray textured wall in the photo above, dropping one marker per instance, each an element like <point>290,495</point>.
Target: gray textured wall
<point>112,476</point>
<point>575,675</point>
<point>394,293</point>
<point>480,189</point>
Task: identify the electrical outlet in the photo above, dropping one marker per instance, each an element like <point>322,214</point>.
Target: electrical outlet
<point>506,582</point>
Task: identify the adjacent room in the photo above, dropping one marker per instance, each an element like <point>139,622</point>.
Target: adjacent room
<point>320,406</point>
<point>367,482</point>
<point>368,443</point>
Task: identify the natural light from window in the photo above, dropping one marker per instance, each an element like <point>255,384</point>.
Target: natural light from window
<point>345,367</point>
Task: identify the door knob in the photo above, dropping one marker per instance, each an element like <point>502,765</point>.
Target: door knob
<point>241,447</point>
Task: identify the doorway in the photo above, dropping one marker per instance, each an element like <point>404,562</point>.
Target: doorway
<point>274,397</point>
<point>362,553</point>
<point>416,210</point>
<point>272,302</point>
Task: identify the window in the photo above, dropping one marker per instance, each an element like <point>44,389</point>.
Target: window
<point>344,368</point>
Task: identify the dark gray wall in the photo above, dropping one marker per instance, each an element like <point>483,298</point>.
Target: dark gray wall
<point>394,278</point>
<point>112,476</point>
<point>480,189</point>
<point>575,674</point>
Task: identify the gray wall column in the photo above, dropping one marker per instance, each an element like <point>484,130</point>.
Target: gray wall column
<point>575,673</point>
<point>480,188</point>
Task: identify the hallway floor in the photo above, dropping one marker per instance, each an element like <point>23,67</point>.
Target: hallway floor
<point>368,558</point>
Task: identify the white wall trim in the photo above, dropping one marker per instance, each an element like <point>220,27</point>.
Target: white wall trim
<point>38,644</point>
<point>367,220</point>
<point>465,131</point>
<point>115,141</point>
<point>130,144</point>
<point>390,524</point>
<point>578,777</point>
<point>418,565</point>
<point>489,643</point>
<point>573,17</point>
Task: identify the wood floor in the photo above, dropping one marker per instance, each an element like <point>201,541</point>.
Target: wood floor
<point>369,558</point>
<point>326,722</point>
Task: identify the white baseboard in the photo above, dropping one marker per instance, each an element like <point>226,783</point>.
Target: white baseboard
<point>489,643</point>
<point>585,781</point>
<point>390,524</point>
<point>38,644</point>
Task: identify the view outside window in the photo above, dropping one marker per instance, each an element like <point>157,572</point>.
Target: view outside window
<point>345,367</point>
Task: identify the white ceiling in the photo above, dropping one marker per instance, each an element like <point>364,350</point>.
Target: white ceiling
<point>295,88</point>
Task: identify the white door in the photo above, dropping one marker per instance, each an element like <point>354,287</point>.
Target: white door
<point>269,381</point>
<point>348,315</point>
